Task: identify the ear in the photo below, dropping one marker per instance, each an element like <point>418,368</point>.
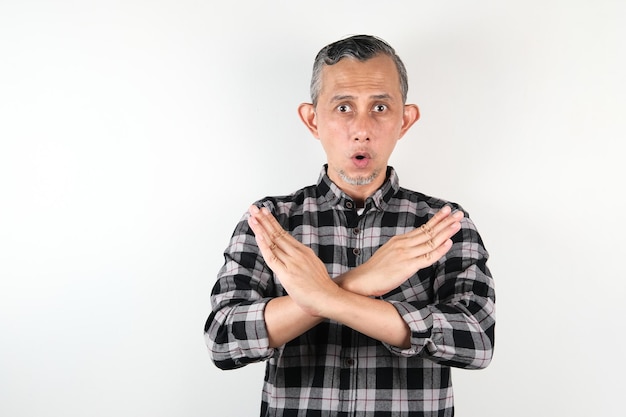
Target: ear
<point>411,115</point>
<point>308,117</point>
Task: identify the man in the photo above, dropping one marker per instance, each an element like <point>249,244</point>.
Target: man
<point>358,293</point>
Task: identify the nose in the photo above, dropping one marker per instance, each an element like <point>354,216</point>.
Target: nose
<point>361,127</point>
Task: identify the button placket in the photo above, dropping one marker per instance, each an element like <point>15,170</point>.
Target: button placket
<point>354,235</point>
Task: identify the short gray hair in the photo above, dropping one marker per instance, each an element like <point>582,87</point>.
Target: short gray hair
<point>361,47</point>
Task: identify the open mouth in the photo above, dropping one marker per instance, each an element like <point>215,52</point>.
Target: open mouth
<point>361,155</point>
<point>361,159</point>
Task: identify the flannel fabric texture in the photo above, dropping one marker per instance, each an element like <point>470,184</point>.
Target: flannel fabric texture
<point>332,370</point>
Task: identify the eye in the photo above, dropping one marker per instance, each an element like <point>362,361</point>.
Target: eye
<point>343,108</point>
<point>379,108</point>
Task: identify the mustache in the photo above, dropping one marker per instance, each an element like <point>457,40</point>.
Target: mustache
<point>362,153</point>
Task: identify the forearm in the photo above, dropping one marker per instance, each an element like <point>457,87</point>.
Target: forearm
<point>285,321</point>
<point>375,318</point>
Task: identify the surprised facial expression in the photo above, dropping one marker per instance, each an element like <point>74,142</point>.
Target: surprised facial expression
<point>359,117</point>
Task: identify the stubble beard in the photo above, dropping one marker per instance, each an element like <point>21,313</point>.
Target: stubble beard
<point>358,180</point>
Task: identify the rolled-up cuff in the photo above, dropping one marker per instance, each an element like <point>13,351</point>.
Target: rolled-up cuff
<point>423,334</point>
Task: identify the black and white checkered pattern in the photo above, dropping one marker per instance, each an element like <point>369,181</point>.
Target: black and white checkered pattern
<point>333,370</point>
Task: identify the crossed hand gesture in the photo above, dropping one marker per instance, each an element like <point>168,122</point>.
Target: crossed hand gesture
<point>306,279</point>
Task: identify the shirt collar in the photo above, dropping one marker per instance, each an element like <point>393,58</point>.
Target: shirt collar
<point>380,199</point>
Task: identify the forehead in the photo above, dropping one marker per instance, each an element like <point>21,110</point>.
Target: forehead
<point>376,76</point>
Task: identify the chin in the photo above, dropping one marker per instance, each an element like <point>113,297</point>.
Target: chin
<point>359,179</point>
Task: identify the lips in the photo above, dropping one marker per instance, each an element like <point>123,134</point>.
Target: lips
<point>361,159</point>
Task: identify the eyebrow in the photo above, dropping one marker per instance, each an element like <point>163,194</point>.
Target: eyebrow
<point>374,96</point>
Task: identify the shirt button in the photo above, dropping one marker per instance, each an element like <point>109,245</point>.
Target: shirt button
<point>356,231</point>
<point>356,251</point>
<point>349,362</point>
<point>349,205</point>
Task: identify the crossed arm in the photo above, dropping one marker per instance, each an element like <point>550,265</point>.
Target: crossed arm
<point>314,296</point>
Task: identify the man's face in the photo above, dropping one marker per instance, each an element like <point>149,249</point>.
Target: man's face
<point>360,115</point>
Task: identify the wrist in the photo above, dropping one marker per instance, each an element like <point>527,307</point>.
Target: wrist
<point>353,281</point>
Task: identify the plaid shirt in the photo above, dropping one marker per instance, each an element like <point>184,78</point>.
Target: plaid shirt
<point>332,370</point>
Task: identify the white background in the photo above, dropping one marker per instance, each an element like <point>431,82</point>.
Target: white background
<point>134,134</point>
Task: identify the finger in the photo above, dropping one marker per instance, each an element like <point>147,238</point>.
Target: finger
<point>264,223</point>
<point>264,219</point>
<point>271,224</point>
<point>268,227</point>
<point>427,228</point>
<point>443,213</point>
<point>256,225</point>
<point>448,227</point>
<point>274,256</point>
<point>441,236</point>
<point>429,248</point>
<point>263,237</point>
<point>440,221</point>
<point>434,255</point>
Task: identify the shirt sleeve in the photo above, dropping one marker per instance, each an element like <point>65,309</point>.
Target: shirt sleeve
<point>235,331</point>
<point>457,328</point>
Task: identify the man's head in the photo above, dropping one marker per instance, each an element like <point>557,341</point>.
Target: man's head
<point>360,47</point>
<point>359,111</point>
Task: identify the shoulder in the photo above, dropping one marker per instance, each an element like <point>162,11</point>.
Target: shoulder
<point>420,203</point>
<point>290,204</point>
